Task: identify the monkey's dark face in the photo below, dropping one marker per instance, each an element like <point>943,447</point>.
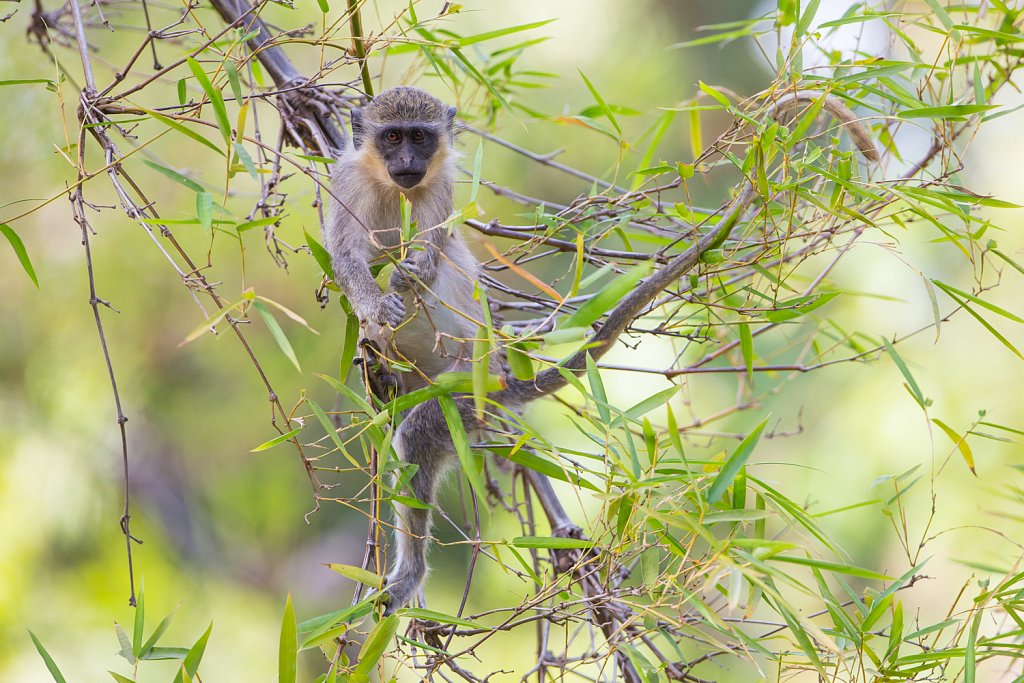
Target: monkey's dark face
<point>407,151</point>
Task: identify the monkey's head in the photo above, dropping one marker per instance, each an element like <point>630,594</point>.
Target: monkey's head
<point>408,129</point>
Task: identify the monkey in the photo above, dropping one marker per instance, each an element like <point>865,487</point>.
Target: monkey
<point>389,157</point>
<point>403,144</point>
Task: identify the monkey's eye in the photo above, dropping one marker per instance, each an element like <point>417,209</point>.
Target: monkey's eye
<point>418,135</point>
<point>394,137</point>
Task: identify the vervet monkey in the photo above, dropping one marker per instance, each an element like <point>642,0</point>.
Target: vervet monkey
<point>402,144</point>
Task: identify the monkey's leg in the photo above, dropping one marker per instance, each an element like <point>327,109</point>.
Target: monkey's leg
<point>421,440</point>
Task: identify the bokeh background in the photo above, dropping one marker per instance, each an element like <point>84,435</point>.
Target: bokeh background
<point>225,538</point>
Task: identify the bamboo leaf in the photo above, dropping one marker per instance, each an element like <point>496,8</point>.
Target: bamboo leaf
<point>610,295</point>
<point>373,649</point>
<point>960,442</point>
<point>457,429</point>
<point>734,463</point>
<point>288,646</point>
<point>184,130</point>
<point>834,567</point>
<point>236,86</point>
<point>276,440</point>
<point>51,666</point>
<point>195,655</point>
<point>20,251</point>
<point>552,542</point>
<point>277,333</point>
<point>358,574</point>
<point>216,98</point>
<point>952,111</point>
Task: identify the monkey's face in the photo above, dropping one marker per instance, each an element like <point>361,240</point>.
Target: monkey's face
<point>407,151</point>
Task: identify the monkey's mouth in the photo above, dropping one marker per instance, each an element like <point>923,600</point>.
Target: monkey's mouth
<point>407,179</point>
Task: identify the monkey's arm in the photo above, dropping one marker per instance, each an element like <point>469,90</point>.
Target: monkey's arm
<point>347,245</point>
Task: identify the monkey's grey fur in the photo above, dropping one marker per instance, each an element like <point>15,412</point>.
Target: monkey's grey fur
<point>434,286</point>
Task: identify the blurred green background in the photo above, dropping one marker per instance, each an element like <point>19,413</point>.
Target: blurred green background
<point>223,528</point>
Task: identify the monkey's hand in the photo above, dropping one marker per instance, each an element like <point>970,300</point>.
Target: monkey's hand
<point>388,310</point>
<point>405,276</point>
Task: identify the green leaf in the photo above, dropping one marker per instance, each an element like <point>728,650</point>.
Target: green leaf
<point>651,402</point>
<point>527,458</point>
<point>243,154</point>
<point>949,289</point>
<point>458,433</point>
<point>184,130</point>
<point>289,645</point>
<point>807,14</point>
<point>373,649</point>
<point>257,223</point>
<point>319,254</point>
<point>276,440</point>
<point>51,666</point>
<point>349,344</point>
<point>440,618</point>
<point>551,542</point>
<point>24,81</point>
<point>140,621</point>
<point>164,653</point>
<point>19,251</point>
<point>747,349</point>
<point>605,109</point>
<point>960,442</point>
<point>277,333</point>
<point>195,655</point>
<point>358,574</point>
<point>445,383</point>
<point>798,307</point>
<point>834,567</point>
<point>236,85</point>
<point>519,362</point>
<point>120,679</point>
<point>971,655</point>
<point>204,209</point>
<point>126,651</point>
<point>733,464</point>
<point>323,623</point>
<point>175,176</point>
<point>984,323</point>
<point>216,99</point>
<point>481,37</point>
<point>161,628</point>
<point>480,366</point>
<point>328,426</point>
<point>607,297</point>
<point>905,371</point>
<point>182,91</point>
<point>597,389</point>
<point>953,111</point>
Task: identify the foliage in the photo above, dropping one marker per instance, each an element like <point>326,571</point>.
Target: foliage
<point>693,559</point>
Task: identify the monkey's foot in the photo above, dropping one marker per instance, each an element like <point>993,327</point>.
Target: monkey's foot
<point>405,276</point>
<point>398,593</point>
<point>389,310</point>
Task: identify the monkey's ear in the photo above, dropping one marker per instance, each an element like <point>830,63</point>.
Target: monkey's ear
<point>451,115</point>
<point>357,128</point>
